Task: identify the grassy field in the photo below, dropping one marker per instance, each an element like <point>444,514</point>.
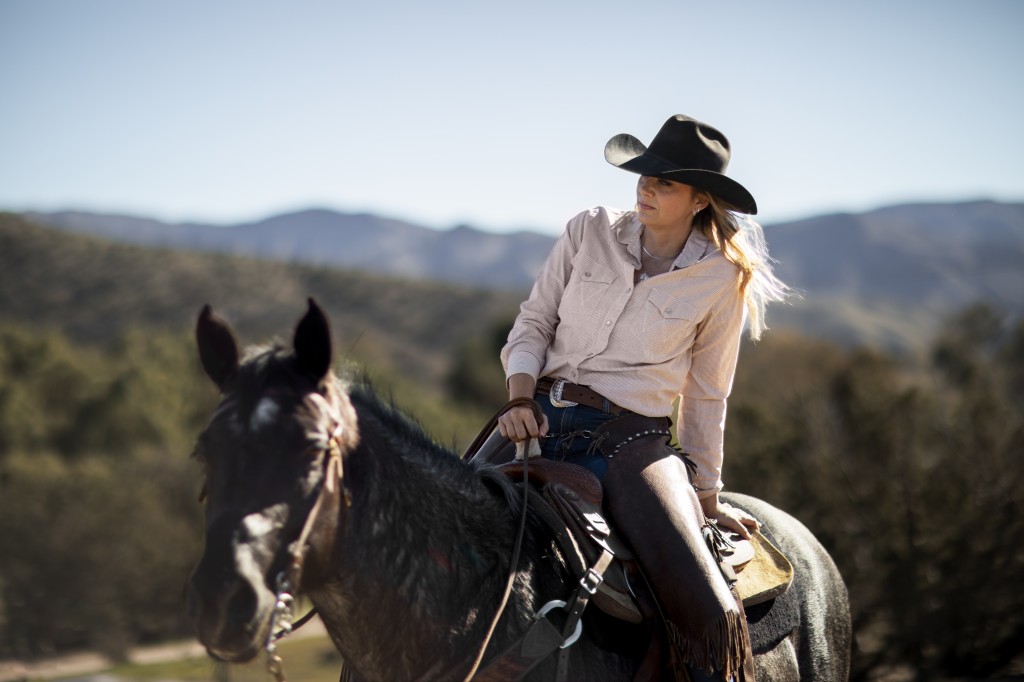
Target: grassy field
<point>312,659</point>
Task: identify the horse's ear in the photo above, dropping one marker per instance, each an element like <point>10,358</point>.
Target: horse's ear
<point>313,342</point>
<point>218,350</point>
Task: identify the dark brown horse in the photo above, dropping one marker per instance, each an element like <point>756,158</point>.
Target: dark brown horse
<point>405,549</point>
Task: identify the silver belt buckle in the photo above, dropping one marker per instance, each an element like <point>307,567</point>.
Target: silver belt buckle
<point>555,394</point>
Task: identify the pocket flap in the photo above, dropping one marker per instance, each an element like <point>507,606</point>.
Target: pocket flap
<point>589,270</point>
<point>673,307</point>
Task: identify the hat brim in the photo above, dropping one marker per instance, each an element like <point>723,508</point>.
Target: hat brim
<point>629,154</point>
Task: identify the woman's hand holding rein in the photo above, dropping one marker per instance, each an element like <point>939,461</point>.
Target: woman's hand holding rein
<point>520,423</point>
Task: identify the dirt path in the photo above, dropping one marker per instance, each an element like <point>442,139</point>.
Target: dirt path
<point>89,664</point>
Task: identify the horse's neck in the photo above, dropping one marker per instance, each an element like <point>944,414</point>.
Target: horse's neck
<point>426,553</point>
<point>429,500</point>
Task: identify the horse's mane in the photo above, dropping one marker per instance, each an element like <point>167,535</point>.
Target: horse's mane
<point>273,367</point>
<point>411,433</point>
<point>384,411</point>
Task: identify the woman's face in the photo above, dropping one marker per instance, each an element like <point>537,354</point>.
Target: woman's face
<point>664,203</point>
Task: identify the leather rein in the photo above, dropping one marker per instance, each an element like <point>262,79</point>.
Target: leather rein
<point>281,624</point>
<point>517,547</point>
<point>542,638</point>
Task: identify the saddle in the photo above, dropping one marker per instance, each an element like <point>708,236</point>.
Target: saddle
<point>572,499</point>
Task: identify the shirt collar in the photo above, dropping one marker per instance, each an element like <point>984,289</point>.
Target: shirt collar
<point>697,246</point>
<point>629,229</point>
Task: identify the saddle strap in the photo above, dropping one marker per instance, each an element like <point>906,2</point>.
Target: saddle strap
<point>580,529</point>
<point>558,507</point>
<point>539,642</point>
<point>543,637</point>
<point>581,517</point>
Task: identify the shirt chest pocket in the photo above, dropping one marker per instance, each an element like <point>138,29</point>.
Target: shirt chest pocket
<point>669,324</point>
<point>588,293</point>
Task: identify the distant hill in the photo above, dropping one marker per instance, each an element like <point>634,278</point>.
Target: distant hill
<point>889,276</point>
<point>462,255</point>
<point>883,277</point>
<point>93,290</point>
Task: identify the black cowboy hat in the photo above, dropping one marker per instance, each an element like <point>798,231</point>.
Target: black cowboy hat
<point>687,151</point>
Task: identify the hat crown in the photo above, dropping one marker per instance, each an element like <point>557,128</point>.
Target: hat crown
<point>685,142</point>
<point>684,150</point>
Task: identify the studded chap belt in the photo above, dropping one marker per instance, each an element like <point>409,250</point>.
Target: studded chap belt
<point>624,428</point>
<point>562,393</point>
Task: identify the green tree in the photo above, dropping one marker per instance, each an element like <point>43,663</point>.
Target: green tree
<point>89,553</point>
<point>97,494</point>
<point>43,380</point>
<point>909,472</point>
<point>476,376</point>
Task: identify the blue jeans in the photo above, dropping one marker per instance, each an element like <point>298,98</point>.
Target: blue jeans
<point>571,435</point>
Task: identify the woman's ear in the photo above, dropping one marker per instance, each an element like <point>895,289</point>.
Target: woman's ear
<point>703,201</point>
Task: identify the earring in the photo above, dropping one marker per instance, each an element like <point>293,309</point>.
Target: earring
<point>696,211</point>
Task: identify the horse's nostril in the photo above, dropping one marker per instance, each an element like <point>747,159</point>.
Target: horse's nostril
<point>241,606</point>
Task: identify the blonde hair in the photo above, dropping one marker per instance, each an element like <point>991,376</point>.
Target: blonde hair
<point>741,241</point>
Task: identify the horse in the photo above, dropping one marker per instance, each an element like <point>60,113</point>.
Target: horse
<point>315,484</point>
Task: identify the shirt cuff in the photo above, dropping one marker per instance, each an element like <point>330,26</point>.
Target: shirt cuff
<point>523,362</point>
<point>706,488</point>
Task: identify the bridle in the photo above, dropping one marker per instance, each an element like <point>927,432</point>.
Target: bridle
<point>281,624</point>
<point>281,620</point>
<point>288,580</point>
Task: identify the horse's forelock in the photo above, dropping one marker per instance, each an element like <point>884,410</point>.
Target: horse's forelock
<point>268,387</point>
<point>271,370</point>
<point>267,370</point>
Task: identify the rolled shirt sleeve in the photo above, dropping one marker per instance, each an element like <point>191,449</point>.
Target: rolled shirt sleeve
<point>700,424</point>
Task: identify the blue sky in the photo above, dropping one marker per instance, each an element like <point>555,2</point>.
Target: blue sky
<point>496,114</point>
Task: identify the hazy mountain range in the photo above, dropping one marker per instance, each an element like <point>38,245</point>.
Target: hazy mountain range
<point>886,276</point>
<point>362,241</point>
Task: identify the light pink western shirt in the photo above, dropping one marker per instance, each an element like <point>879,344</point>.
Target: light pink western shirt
<point>640,345</point>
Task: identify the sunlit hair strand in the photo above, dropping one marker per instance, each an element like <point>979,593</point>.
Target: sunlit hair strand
<point>741,241</point>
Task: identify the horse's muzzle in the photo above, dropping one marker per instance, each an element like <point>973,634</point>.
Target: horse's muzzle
<point>231,622</point>
<point>230,610</point>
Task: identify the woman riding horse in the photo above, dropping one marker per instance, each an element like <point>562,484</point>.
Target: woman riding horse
<point>631,310</point>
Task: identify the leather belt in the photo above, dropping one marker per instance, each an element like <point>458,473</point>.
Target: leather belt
<point>562,393</point>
